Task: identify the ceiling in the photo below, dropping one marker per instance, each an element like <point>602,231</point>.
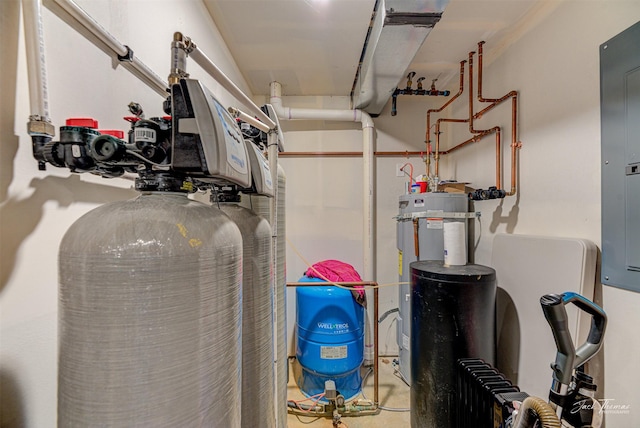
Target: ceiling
<point>312,47</point>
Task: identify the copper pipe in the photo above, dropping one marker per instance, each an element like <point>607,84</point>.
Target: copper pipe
<point>514,115</point>
<point>515,145</point>
<point>428,133</point>
<point>375,324</point>
<point>471,92</point>
<point>498,160</point>
<point>479,114</point>
<point>464,143</point>
<point>473,139</point>
<point>477,138</point>
<point>436,155</point>
<point>471,114</point>
<point>398,154</point>
<point>416,241</point>
<point>437,132</point>
<point>322,154</point>
<point>480,98</point>
<point>405,154</point>
<point>479,134</point>
<point>344,284</point>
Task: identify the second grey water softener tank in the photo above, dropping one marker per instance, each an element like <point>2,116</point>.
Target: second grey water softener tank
<point>452,317</point>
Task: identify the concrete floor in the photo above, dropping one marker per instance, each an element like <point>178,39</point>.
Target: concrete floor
<point>393,393</point>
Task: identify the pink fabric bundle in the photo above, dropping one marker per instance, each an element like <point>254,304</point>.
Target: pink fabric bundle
<point>337,271</point>
<point>333,270</point>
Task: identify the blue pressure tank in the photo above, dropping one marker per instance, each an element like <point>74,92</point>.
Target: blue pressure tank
<point>330,332</point>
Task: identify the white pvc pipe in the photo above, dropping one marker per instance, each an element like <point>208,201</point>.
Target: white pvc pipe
<point>228,84</point>
<point>272,150</point>
<point>288,113</point>
<point>239,114</point>
<point>135,66</point>
<point>34,40</point>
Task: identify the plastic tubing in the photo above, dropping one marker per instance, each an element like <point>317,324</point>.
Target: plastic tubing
<point>545,413</point>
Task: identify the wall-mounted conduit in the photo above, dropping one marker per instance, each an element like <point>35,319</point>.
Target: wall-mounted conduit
<point>478,134</point>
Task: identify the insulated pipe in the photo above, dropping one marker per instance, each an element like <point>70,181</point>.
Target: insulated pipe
<point>355,115</point>
<point>124,54</point>
<point>228,84</point>
<point>36,70</point>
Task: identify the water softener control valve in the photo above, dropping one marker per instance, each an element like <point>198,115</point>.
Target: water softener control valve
<point>207,142</point>
<point>260,171</point>
<point>197,146</point>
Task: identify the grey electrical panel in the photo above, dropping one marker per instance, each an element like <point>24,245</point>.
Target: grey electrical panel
<point>620,117</point>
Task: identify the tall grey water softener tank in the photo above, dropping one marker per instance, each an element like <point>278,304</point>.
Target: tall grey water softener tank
<point>430,247</point>
<point>150,316</point>
<point>452,317</point>
<point>257,320</point>
<point>260,204</point>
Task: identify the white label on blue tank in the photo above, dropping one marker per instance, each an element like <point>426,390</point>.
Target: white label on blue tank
<point>333,352</point>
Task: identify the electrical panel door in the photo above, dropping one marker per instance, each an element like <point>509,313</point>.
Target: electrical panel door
<point>620,115</point>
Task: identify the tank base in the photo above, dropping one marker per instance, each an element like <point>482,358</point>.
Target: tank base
<point>311,383</point>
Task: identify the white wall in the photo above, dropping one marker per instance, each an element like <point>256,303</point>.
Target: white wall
<point>38,207</point>
<point>555,67</point>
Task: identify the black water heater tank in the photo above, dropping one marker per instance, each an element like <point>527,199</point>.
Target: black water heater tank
<point>452,317</point>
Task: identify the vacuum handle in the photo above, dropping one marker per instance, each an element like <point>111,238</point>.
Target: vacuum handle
<point>556,315</point>
<point>567,358</point>
<point>596,332</point>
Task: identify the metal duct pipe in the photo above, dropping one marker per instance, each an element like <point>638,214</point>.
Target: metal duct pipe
<point>368,141</point>
<point>382,63</point>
